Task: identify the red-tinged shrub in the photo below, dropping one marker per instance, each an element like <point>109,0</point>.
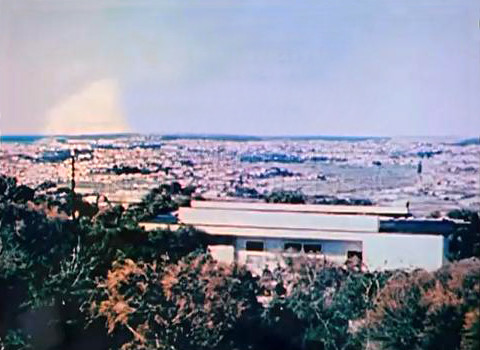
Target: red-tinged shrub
<point>423,310</point>
<point>196,303</point>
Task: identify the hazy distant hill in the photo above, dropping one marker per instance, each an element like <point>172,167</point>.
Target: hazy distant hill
<point>214,137</point>
<point>20,138</point>
<point>225,137</point>
<point>468,142</point>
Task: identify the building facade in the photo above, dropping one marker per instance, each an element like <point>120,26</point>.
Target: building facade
<point>261,235</point>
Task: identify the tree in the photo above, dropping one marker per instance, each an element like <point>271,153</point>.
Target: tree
<point>464,242</point>
<point>163,199</point>
<point>318,303</point>
<point>195,303</point>
<point>283,196</point>
<point>33,247</point>
<point>50,261</point>
<point>428,311</point>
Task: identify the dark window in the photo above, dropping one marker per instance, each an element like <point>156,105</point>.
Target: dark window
<point>312,248</point>
<point>354,254</point>
<point>294,247</point>
<point>256,246</point>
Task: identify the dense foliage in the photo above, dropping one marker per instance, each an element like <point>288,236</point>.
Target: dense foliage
<point>161,200</point>
<point>100,281</point>
<point>49,263</point>
<point>281,196</point>
<point>298,197</point>
<point>421,310</point>
<point>318,305</point>
<point>194,303</point>
<point>465,241</point>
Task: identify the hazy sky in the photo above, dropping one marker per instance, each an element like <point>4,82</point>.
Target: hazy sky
<point>342,67</point>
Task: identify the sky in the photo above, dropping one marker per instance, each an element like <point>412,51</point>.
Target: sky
<point>254,67</point>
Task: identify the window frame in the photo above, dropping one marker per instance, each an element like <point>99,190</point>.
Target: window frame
<point>320,245</point>
<point>249,249</point>
<point>352,253</point>
<point>291,249</point>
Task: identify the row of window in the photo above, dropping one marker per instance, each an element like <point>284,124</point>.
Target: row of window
<point>295,247</point>
<point>258,246</point>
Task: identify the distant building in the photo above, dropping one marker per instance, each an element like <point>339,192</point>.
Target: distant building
<point>260,234</point>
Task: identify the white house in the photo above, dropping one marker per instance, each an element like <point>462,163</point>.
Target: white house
<point>259,234</point>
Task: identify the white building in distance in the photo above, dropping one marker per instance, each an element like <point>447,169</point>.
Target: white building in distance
<point>260,234</point>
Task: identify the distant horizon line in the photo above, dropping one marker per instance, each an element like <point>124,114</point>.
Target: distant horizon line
<point>228,135</point>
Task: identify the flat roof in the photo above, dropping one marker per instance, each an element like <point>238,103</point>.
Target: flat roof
<point>302,208</point>
<point>278,220</point>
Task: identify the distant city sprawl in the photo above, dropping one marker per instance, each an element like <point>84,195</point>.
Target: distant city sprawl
<point>427,174</point>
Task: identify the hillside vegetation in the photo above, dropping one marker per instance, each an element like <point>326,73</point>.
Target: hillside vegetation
<point>99,281</point>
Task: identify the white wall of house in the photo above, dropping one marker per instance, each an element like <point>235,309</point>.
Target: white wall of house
<point>379,251</point>
<point>404,251</point>
<point>222,253</point>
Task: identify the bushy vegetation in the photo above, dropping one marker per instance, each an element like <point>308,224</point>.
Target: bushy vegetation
<point>298,197</point>
<point>318,305</point>
<point>424,310</point>
<point>465,241</point>
<point>194,303</point>
<point>283,196</point>
<point>99,281</point>
<point>49,264</point>
<point>161,200</point>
